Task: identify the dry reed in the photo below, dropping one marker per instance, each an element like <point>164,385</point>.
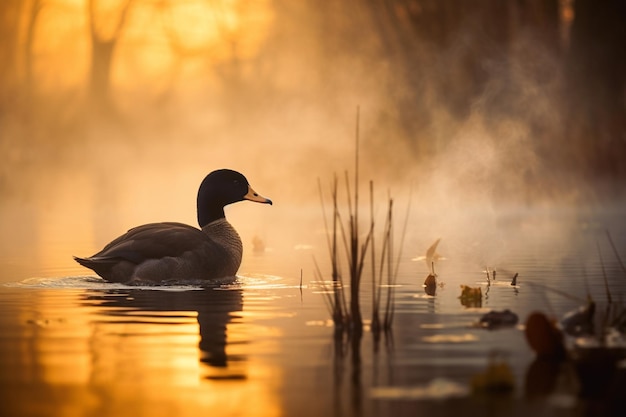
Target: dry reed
<point>346,316</point>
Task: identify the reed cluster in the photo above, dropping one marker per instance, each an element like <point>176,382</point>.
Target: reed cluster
<point>344,235</point>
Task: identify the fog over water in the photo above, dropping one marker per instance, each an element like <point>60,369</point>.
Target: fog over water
<point>113,112</point>
<point>498,127</point>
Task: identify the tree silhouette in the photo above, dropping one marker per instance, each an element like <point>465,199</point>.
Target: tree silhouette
<point>102,54</point>
<point>596,71</point>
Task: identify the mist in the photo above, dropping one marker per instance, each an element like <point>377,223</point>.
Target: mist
<point>113,112</point>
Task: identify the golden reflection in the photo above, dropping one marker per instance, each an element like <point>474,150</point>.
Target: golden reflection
<point>52,320</point>
<point>128,351</point>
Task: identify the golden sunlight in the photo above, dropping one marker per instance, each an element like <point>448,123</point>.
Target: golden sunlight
<point>60,46</point>
<point>173,41</point>
<point>154,43</point>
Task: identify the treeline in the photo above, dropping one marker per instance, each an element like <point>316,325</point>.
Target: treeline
<point>556,66</point>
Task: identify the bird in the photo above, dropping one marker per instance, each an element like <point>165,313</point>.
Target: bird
<point>174,252</point>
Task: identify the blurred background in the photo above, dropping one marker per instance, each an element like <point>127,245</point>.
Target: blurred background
<point>111,112</point>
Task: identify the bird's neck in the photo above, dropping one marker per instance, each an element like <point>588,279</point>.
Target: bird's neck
<point>209,215</point>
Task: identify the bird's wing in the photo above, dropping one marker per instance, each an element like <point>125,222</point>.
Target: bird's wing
<point>153,241</point>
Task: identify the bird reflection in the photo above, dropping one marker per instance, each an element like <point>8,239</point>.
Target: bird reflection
<point>214,306</point>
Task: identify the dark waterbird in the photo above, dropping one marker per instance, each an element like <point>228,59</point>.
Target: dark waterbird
<point>159,252</point>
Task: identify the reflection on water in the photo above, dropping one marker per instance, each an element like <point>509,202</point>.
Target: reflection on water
<point>263,346</point>
<point>117,351</point>
<point>213,310</point>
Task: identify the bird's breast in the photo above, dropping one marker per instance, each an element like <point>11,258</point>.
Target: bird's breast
<point>226,237</point>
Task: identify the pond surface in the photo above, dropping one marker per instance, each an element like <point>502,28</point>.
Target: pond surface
<point>73,345</point>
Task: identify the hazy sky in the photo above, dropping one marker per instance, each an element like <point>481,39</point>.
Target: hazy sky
<point>271,89</point>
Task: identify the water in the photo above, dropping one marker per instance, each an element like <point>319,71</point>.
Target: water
<point>74,345</point>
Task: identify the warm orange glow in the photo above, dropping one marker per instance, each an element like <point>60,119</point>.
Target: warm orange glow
<point>127,359</point>
<point>61,46</point>
<point>63,212</point>
<point>184,40</point>
<point>57,333</point>
<point>157,42</point>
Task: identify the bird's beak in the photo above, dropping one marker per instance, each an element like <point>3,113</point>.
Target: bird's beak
<point>254,196</point>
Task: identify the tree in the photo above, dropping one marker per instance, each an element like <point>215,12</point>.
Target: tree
<point>102,53</point>
<point>596,73</point>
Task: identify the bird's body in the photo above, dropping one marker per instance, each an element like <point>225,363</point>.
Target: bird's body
<point>161,252</point>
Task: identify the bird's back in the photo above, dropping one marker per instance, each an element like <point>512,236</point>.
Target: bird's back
<point>160,252</point>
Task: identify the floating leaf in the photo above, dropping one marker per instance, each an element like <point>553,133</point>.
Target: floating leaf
<point>497,319</point>
<point>543,336</point>
<point>430,284</point>
<point>471,296</point>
